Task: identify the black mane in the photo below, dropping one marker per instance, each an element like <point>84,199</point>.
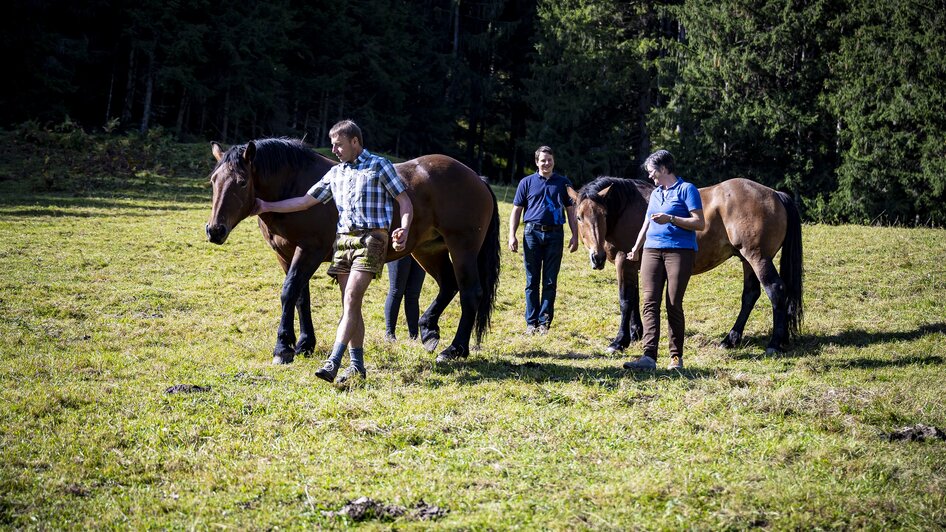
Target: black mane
<point>274,154</point>
<point>623,191</point>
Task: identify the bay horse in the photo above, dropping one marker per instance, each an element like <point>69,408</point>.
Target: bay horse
<point>454,234</point>
<point>744,219</point>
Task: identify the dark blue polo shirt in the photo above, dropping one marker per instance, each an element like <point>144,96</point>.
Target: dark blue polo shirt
<point>543,199</point>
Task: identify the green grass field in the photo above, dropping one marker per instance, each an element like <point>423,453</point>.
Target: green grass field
<point>106,300</point>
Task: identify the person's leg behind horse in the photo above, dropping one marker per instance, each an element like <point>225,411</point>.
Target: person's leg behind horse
<point>398,272</point>
<point>551,265</point>
<point>679,267</point>
<point>412,289</point>
<point>532,259</point>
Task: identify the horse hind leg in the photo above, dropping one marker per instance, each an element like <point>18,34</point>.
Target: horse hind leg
<point>751,291</point>
<point>440,268</point>
<point>467,275</point>
<point>774,288</point>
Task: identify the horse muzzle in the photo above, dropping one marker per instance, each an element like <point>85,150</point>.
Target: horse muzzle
<point>597,260</point>
<point>216,234</point>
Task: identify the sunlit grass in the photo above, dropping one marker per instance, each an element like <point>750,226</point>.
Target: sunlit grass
<point>107,301</point>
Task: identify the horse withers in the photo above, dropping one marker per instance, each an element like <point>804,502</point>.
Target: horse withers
<point>743,219</point>
<point>454,235</point>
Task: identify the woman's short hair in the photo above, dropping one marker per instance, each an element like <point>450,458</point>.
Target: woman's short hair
<point>660,158</point>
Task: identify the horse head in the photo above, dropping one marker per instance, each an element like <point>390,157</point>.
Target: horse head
<point>234,191</point>
<point>592,214</point>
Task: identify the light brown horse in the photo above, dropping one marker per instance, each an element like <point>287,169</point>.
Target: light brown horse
<point>743,219</point>
<point>454,233</point>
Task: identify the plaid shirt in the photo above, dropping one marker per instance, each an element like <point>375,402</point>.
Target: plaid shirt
<point>364,192</point>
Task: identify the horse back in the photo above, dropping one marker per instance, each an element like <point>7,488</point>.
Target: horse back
<point>743,217</point>
<point>446,194</point>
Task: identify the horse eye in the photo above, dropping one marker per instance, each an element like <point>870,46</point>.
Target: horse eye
<point>578,218</point>
<point>242,183</point>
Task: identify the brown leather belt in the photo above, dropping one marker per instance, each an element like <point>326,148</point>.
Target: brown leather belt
<point>545,228</point>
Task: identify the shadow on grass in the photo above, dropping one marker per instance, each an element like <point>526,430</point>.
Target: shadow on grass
<point>813,345</point>
<point>111,193</point>
<point>474,371</point>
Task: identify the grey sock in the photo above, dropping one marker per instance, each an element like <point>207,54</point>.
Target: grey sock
<point>358,358</point>
<point>337,351</point>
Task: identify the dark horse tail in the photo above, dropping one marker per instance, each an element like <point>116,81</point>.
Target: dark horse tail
<point>488,262</point>
<point>791,269</point>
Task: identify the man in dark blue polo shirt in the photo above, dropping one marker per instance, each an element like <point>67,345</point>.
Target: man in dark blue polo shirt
<point>542,195</point>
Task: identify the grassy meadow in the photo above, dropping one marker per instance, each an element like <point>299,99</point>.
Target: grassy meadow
<point>109,298</point>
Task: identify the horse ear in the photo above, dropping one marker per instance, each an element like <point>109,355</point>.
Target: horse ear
<point>573,195</point>
<point>217,151</point>
<point>604,191</point>
<point>250,152</point>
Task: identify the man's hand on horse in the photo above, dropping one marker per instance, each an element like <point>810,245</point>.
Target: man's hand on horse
<point>399,238</point>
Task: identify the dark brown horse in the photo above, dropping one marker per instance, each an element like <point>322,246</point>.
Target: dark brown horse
<point>743,219</point>
<point>454,234</point>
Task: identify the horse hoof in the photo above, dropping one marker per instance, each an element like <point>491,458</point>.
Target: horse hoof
<point>284,358</point>
<point>305,349</point>
<point>431,343</point>
<point>771,351</point>
<point>450,354</point>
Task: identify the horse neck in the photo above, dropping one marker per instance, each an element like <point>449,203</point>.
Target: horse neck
<point>290,182</point>
<point>632,196</point>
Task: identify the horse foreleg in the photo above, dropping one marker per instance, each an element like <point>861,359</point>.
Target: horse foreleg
<point>293,287</point>
<point>306,344</point>
<point>750,294</point>
<point>630,327</point>
<point>439,267</point>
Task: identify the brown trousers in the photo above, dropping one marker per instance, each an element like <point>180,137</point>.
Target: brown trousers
<point>660,267</point>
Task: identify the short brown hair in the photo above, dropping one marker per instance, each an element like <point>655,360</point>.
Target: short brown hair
<point>543,149</point>
<point>348,129</point>
<point>660,158</point>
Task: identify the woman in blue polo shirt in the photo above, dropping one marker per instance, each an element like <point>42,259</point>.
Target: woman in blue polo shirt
<point>666,247</point>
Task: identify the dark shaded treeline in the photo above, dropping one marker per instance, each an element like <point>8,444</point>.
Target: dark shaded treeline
<point>838,102</point>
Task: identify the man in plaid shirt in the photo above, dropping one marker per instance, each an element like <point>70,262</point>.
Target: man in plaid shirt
<point>365,187</point>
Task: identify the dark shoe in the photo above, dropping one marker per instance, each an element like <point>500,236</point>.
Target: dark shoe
<point>350,373</point>
<point>542,329</point>
<point>450,354</point>
<point>676,362</point>
<point>644,363</point>
<point>327,372</point>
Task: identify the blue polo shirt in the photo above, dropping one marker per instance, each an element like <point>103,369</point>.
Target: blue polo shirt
<point>678,200</point>
<point>543,199</point>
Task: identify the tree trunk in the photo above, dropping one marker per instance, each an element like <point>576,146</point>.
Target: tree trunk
<point>129,88</point>
<point>149,94</point>
<point>226,115</point>
<point>181,112</point>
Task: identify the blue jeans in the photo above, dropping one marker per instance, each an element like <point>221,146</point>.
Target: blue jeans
<point>542,255</point>
<point>406,279</point>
